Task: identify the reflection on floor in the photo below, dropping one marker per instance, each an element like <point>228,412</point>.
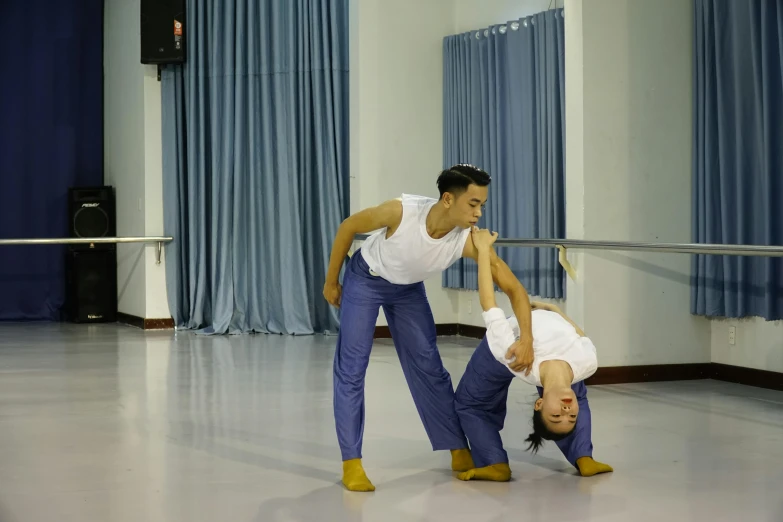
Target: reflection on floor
<point>109,423</point>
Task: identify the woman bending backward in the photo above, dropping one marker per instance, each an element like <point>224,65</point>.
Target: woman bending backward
<point>563,359</point>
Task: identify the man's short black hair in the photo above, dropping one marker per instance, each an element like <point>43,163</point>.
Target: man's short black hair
<point>456,179</point>
<point>542,433</point>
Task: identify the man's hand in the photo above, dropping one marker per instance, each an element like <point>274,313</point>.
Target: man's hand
<point>333,293</point>
<point>537,305</point>
<point>521,355</point>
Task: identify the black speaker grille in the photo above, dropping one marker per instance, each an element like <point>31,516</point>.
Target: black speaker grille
<point>91,222</point>
<point>91,213</point>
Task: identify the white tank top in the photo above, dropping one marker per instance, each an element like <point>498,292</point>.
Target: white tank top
<point>554,338</point>
<point>411,255</point>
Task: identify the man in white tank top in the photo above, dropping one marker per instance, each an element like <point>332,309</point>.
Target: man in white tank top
<point>416,238</point>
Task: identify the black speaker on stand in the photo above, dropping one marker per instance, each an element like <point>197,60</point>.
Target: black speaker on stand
<point>91,269</point>
<point>162,31</point>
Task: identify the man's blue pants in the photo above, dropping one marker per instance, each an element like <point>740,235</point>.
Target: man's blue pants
<point>412,327</point>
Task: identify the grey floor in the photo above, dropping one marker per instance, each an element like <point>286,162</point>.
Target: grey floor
<point>108,423</point>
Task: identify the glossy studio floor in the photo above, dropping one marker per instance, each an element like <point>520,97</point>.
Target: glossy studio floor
<point>109,423</point>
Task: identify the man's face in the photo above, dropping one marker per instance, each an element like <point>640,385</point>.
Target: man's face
<point>465,209</point>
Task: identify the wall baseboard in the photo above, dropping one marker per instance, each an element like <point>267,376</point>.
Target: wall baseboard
<point>649,373</point>
<point>747,376</point>
<point>643,373</point>
<point>605,375</point>
<point>145,324</point>
<point>474,332</point>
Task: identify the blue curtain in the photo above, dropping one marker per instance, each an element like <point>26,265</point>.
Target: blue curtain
<point>51,138</point>
<point>738,155</point>
<point>255,164</point>
<point>504,101</point>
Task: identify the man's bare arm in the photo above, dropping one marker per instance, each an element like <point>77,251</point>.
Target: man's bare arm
<point>385,215</point>
<point>536,305</point>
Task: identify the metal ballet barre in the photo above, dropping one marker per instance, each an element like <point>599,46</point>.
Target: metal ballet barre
<point>680,248</point>
<point>94,240</point>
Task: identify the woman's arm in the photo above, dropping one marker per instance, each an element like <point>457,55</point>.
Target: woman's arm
<point>483,241</point>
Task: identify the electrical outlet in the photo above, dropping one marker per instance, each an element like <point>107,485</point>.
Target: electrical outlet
<point>732,335</point>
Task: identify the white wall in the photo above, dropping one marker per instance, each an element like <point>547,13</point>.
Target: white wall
<point>477,14</point>
<point>574,152</point>
<point>132,162</point>
<point>397,109</point>
<point>156,299</point>
<point>631,128</point>
<point>758,343</point>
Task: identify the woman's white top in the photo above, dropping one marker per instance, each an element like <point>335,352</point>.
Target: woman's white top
<point>411,255</point>
<point>554,338</point>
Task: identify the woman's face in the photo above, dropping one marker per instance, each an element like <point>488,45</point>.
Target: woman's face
<point>559,409</point>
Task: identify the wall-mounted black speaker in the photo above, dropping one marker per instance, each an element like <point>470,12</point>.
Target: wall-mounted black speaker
<point>162,31</point>
<point>91,269</point>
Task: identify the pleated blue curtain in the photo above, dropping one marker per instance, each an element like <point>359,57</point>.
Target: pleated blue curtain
<point>255,164</point>
<point>504,111</point>
<point>738,155</point>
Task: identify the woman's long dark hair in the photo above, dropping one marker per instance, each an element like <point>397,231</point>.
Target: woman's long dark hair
<point>542,433</point>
